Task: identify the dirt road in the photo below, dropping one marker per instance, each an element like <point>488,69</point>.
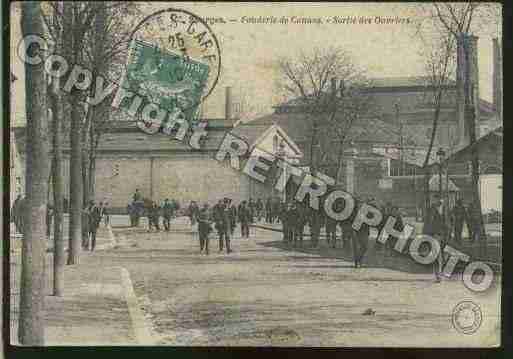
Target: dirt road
<point>262,294</point>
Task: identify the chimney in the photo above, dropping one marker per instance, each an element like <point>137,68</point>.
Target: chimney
<point>497,78</point>
<point>466,90</point>
<point>228,103</point>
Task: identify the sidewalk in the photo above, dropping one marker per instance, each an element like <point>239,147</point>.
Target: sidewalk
<point>98,306</point>
<point>92,311</point>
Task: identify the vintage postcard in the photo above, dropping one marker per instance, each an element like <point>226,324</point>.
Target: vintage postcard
<point>255,174</point>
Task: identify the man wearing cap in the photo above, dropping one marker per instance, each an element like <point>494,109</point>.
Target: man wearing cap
<point>167,213</point>
<point>204,227</point>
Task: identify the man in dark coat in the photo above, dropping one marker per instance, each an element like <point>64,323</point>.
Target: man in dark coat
<point>315,226</point>
<point>259,208</point>
<point>233,215</point>
<point>458,217</point>
<point>131,214</point>
<point>268,210</point>
<point>299,223</point>
<point>93,214</point>
<point>284,218</point>
<point>49,218</point>
<point>244,218</point>
<point>167,213</point>
<point>252,209</point>
<point>204,227</point>
<point>193,212</point>
<point>153,216</point>
<point>473,219</point>
<point>347,233</point>
<point>331,231</point>
<point>18,210</point>
<point>277,208</point>
<point>222,223</point>
<point>435,227</point>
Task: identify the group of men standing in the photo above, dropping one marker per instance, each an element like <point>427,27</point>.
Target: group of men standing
<point>140,207</point>
<point>295,216</point>
<point>224,215</point>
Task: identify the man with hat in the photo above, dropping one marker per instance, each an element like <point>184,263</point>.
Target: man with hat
<point>167,213</point>
<point>204,227</point>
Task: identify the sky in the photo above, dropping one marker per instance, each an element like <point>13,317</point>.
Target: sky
<point>249,52</point>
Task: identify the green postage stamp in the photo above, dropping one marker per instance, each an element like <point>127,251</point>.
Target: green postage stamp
<point>174,82</point>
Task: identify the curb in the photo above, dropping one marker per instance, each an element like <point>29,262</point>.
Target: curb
<point>139,324</point>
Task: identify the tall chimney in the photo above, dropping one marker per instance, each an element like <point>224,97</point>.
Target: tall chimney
<point>466,87</point>
<point>497,78</point>
<point>228,103</point>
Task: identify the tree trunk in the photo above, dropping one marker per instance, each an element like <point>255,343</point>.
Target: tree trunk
<point>470,102</point>
<point>31,320</point>
<point>72,47</point>
<point>75,184</point>
<point>58,249</point>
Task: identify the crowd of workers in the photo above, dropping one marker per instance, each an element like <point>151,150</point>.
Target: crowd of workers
<point>293,216</point>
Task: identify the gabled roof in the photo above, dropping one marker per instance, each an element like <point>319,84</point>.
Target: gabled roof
<point>298,126</point>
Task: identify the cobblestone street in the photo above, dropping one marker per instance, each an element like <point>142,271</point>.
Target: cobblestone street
<point>265,294</point>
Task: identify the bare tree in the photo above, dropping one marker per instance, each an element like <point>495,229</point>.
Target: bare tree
<point>90,36</point>
<point>440,65</point>
<point>105,53</point>
<point>31,322</point>
<point>326,86</point>
<point>459,21</point>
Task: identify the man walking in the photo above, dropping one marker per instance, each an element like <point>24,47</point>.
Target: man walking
<point>222,220</point>
<point>259,206</point>
<point>244,218</point>
<point>167,213</point>
<point>153,217</point>
<point>435,228</point>
<point>360,244</point>
<point>49,218</point>
<point>105,214</point>
<point>268,210</point>
<point>252,209</point>
<point>331,231</point>
<point>315,227</point>
<point>204,227</point>
<point>233,215</point>
<point>285,224</point>
<point>94,219</point>
<point>277,208</point>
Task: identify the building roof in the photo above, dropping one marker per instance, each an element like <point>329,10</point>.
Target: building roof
<point>402,81</point>
<point>124,137</point>
<point>494,138</point>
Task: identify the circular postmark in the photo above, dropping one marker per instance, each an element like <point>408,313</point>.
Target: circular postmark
<point>174,63</point>
<point>467,317</point>
<point>182,32</point>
